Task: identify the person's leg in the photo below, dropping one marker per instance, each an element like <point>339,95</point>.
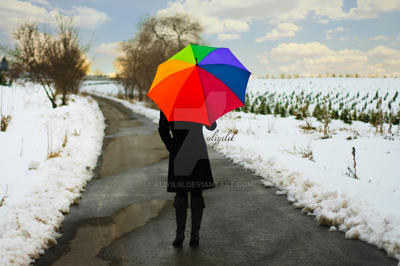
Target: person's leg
<point>196,193</point>
<point>196,205</point>
<point>182,194</point>
<point>181,205</point>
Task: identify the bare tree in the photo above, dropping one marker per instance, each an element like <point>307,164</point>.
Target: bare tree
<point>158,38</point>
<point>30,59</point>
<point>66,57</point>
<point>57,62</point>
<point>174,31</point>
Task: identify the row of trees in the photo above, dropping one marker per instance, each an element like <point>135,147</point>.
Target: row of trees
<point>56,61</point>
<point>325,111</point>
<point>157,39</point>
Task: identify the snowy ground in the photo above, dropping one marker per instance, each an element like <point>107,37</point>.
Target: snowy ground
<point>316,173</point>
<point>104,88</point>
<point>38,190</point>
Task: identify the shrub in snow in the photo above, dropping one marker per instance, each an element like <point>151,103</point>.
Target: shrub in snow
<point>56,62</point>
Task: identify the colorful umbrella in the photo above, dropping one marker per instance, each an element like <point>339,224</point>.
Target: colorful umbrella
<point>199,84</point>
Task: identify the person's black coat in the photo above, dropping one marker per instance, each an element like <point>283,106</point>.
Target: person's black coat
<point>189,166</point>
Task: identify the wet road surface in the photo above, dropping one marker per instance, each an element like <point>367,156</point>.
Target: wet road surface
<point>126,217</point>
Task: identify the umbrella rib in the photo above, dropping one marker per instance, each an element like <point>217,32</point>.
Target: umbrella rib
<point>204,95</point>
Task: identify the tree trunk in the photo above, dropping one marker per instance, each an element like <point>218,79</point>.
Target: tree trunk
<point>140,93</point>
<point>52,100</point>
<point>64,97</point>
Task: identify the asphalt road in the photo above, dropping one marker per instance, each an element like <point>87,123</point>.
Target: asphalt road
<point>126,217</point>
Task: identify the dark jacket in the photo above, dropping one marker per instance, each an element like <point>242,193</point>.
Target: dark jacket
<point>189,167</point>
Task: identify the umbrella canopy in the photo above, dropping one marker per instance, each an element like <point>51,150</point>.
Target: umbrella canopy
<point>199,84</point>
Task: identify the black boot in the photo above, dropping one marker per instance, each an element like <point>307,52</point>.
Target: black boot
<point>181,205</point>
<point>197,205</point>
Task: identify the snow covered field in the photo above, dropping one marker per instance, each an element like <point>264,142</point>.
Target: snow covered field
<point>46,159</point>
<point>102,87</point>
<point>354,93</point>
<point>317,174</point>
<point>366,100</point>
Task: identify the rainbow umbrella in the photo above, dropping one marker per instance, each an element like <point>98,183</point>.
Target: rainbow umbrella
<point>199,84</point>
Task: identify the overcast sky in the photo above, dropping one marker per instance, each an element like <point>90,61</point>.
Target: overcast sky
<point>268,36</point>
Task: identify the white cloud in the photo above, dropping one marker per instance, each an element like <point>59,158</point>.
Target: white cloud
<point>281,30</point>
<point>203,11</point>
<point>263,58</point>
<point>379,38</point>
<point>385,57</point>
<point>329,33</point>
<point>111,49</point>
<point>234,9</point>
<point>214,14</point>
<point>372,8</point>
<point>235,25</point>
<point>384,52</point>
<point>228,36</point>
<point>15,12</point>
<point>339,29</point>
<point>314,58</point>
<point>331,9</point>
<point>227,18</point>
<point>285,52</point>
<point>89,18</point>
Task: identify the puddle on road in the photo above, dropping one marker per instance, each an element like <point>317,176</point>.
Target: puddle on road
<point>128,152</point>
<point>96,233</point>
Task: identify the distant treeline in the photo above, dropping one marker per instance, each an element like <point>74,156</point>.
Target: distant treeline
<point>370,108</point>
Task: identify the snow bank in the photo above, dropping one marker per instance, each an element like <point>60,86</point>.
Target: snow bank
<point>41,189</point>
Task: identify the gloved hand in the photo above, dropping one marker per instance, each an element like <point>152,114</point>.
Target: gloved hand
<point>212,126</point>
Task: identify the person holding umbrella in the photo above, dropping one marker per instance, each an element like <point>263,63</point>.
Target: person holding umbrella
<point>194,88</point>
<point>189,170</point>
